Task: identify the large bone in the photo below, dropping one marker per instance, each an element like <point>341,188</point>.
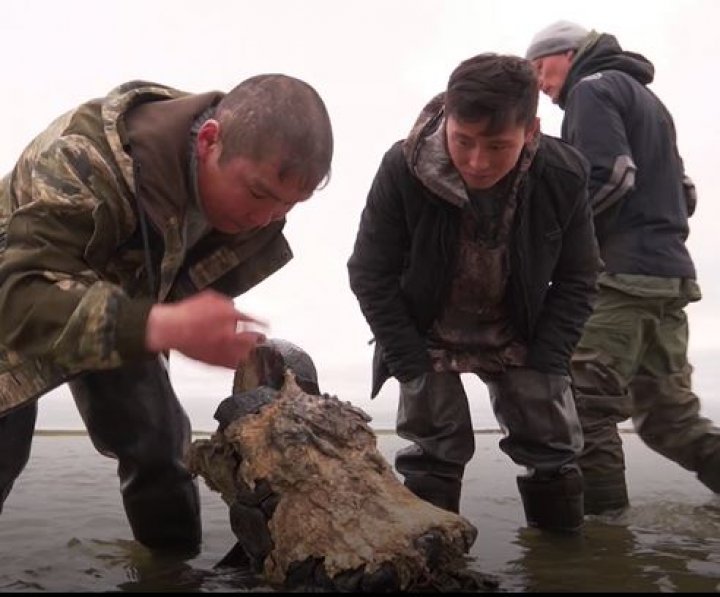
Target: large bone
<point>312,501</point>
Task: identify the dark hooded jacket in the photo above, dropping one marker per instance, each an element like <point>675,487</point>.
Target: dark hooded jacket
<point>638,190</point>
<point>404,255</point>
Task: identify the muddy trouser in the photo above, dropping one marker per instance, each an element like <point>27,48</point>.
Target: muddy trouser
<point>631,362</point>
<point>541,432</point>
<point>132,415</point>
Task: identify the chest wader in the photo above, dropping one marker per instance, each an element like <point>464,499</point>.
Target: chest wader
<point>541,432</point>
<point>133,415</point>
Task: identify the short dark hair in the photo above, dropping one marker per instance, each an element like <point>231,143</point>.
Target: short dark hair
<point>502,88</point>
<point>278,115</point>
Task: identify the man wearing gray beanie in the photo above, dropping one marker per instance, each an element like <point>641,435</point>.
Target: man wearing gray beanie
<point>556,39</point>
<point>631,361</point>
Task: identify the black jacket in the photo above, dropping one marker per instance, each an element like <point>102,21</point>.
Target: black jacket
<point>405,250</point>
<point>638,190</point>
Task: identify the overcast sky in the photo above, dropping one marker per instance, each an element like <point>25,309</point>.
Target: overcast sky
<point>375,62</point>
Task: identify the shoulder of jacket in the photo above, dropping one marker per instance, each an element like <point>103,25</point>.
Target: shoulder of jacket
<point>603,82</point>
<point>563,158</point>
<point>395,154</point>
<point>126,92</point>
<point>394,162</point>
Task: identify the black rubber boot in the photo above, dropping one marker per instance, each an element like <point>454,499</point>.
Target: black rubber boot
<point>133,415</point>
<point>443,492</point>
<point>165,517</point>
<point>710,477</point>
<point>16,433</point>
<point>605,493</point>
<point>553,503</point>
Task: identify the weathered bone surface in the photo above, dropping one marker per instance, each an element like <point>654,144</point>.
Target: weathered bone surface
<point>313,502</point>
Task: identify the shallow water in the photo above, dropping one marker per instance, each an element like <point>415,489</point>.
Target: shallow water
<point>63,529</point>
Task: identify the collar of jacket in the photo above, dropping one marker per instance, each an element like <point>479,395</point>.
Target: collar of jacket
<point>158,133</point>
<point>428,159</point>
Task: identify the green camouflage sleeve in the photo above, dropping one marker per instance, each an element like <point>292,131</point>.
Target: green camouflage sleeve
<point>53,303</point>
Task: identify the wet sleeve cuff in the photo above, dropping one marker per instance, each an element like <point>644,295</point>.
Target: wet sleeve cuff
<point>130,330</point>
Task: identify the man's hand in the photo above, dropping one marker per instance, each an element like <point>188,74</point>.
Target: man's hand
<point>206,327</point>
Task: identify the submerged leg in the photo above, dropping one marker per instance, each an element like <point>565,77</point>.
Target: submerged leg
<point>433,413</point>
<point>16,433</point>
<point>537,413</point>
<point>133,415</point>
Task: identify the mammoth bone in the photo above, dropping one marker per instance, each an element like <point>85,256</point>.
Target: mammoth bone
<point>312,501</point>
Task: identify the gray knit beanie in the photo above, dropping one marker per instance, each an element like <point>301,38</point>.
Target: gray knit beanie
<point>556,39</point>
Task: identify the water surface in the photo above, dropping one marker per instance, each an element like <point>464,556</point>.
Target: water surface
<point>63,529</point>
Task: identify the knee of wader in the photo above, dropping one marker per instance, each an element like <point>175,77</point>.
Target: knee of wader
<point>553,503</point>
<point>605,492</point>
<point>443,492</point>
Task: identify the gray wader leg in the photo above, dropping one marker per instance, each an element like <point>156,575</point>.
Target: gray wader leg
<point>433,413</point>
<point>133,415</point>
<point>16,434</point>
<point>542,432</point>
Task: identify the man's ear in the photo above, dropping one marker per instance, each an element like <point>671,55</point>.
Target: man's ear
<point>532,130</point>
<point>208,137</point>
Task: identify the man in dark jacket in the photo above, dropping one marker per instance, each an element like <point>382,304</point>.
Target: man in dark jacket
<point>476,254</point>
<point>632,358</point>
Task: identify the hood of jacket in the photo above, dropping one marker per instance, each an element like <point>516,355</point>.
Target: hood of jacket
<point>427,157</point>
<point>602,52</point>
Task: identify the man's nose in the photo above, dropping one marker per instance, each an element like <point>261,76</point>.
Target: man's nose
<point>543,85</point>
<point>478,160</point>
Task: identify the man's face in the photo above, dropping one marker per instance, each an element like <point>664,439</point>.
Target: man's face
<point>552,72</point>
<point>484,159</point>
<point>241,194</point>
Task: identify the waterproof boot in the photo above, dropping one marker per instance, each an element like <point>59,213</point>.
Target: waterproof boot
<point>163,517</point>
<point>605,493</point>
<point>443,492</point>
<point>553,503</point>
<point>709,475</point>
<point>16,433</point>
<point>133,415</point>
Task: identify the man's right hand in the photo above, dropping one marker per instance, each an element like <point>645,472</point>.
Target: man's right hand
<point>206,327</point>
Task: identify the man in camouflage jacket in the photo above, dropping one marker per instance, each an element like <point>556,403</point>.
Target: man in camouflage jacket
<point>125,229</point>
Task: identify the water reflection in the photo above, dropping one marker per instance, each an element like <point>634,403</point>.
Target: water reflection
<point>138,570</point>
<point>69,540</point>
<point>658,547</point>
<point>663,547</point>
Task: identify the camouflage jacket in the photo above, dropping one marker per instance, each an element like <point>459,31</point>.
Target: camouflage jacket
<point>75,268</point>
